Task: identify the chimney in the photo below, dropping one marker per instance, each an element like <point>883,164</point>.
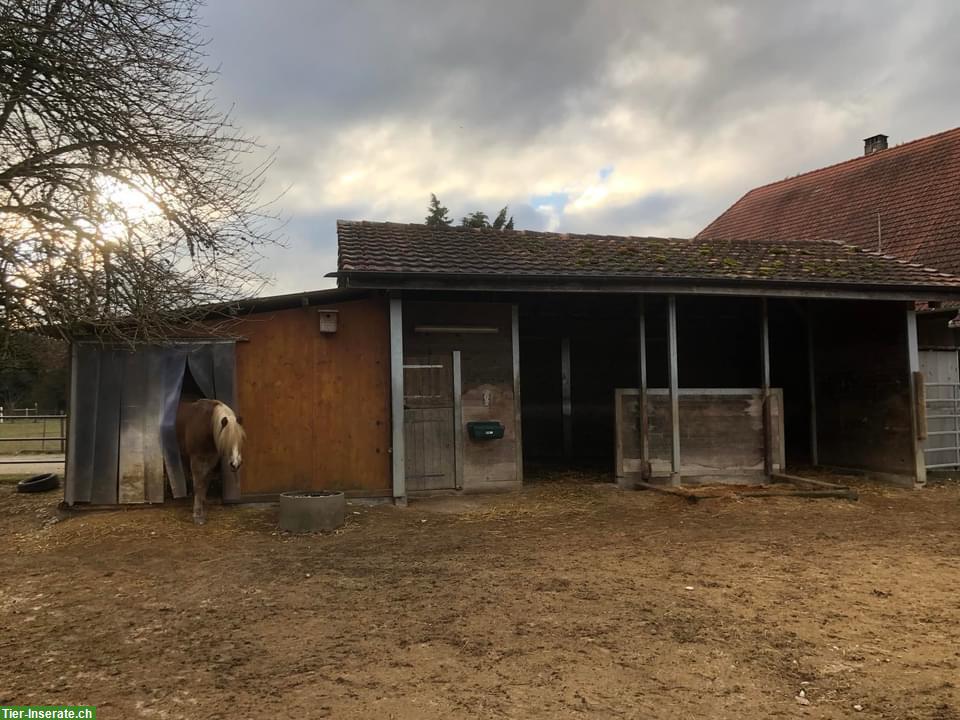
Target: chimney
<point>874,144</point>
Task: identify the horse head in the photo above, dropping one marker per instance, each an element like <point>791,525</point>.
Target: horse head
<point>230,438</point>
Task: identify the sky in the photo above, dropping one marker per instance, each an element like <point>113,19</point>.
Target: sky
<point>620,117</point>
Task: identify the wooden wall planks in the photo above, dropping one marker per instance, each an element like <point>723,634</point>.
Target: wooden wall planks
<point>721,433</point>
<point>863,387</point>
<point>316,406</point>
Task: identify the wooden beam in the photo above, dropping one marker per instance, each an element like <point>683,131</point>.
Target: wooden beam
<point>624,480</point>
<point>642,372</point>
<point>566,400</point>
<point>674,387</point>
<point>843,494</point>
<point>800,480</point>
<point>913,363</point>
<point>693,495</point>
<point>396,400</point>
<point>517,407</point>
<point>812,371</point>
<point>765,385</point>
<point>920,404</point>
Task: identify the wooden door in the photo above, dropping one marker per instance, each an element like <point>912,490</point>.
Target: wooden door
<point>429,422</point>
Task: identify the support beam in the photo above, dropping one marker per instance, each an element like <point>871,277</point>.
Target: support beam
<point>674,390</point>
<point>642,371</point>
<point>767,410</point>
<point>517,408</point>
<point>913,361</point>
<point>396,401</point>
<point>812,369</point>
<point>457,420</point>
<point>566,403</point>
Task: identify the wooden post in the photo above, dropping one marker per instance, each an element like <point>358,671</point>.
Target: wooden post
<point>396,400</point>
<point>457,420</point>
<point>913,362</point>
<point>517,408</point>
<point>642,371</point>
<point>566,398</point>
<point>674,390</point>
<point>767,410</point>
<point>811,365</point>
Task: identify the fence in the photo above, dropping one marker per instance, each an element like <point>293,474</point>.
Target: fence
<point>27,431</point>
<point>15,412</point>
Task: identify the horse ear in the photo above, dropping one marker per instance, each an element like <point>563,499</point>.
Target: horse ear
<point>223,422</point>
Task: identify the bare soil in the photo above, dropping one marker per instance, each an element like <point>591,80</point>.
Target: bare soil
<point>569,599</point>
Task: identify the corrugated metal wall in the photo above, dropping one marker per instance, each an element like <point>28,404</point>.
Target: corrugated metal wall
<point>123,409</point>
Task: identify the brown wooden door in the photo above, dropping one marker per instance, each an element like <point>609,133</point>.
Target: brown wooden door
<point>429,422</point>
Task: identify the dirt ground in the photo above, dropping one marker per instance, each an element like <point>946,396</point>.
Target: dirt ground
<point>566,600</point>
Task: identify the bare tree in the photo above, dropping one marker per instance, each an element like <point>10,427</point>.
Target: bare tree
<point>126,197</point>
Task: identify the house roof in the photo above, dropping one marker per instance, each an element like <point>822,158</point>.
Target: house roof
<point>904,201</point>
<point>378,254</point>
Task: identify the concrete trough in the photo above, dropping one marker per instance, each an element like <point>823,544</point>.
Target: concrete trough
<point>302,512</point>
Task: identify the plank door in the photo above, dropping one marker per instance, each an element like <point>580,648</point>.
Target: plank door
<point>941,375</point>
<point>429,422</point>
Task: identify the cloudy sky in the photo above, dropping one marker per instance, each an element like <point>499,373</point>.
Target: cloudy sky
<point>622,117</point>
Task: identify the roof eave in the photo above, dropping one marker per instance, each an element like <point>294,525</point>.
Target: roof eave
<point>637,285</point>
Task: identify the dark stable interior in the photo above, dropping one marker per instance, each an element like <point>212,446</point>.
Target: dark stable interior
<point>718,346</point>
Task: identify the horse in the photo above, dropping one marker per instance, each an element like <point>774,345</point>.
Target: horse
<point>210,435</point>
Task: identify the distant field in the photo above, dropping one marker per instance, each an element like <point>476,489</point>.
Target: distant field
<point>25,428</point>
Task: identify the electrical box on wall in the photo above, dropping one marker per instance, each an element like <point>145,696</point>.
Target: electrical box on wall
<point>328,320</point>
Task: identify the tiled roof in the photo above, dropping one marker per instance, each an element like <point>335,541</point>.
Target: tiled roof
<point>904,201</point>
<point>403,250</point>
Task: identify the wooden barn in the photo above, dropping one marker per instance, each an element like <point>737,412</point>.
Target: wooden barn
<point>451,359</point>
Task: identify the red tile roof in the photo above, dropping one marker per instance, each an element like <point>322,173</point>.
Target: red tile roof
<point>391,249</point>
<point>904,200</point>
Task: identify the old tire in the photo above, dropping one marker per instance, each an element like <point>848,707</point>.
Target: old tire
<point>39,483</point>
<point>312,511</point>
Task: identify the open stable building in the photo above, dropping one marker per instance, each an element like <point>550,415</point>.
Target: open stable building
<point>451,359</point>
<point>897,199</point>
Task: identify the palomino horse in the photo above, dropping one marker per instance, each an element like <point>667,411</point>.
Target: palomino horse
<point>210,435</point>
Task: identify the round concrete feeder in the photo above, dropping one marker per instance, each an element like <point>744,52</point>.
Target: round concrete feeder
<point>312,511</point>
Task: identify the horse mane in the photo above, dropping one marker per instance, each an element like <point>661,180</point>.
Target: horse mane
<point>226,436</point>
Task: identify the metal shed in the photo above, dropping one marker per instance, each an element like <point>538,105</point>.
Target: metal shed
<point>121,443</point>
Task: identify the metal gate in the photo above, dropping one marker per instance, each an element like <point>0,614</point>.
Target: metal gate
<point>431,401</point>
<point>941,374</point>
